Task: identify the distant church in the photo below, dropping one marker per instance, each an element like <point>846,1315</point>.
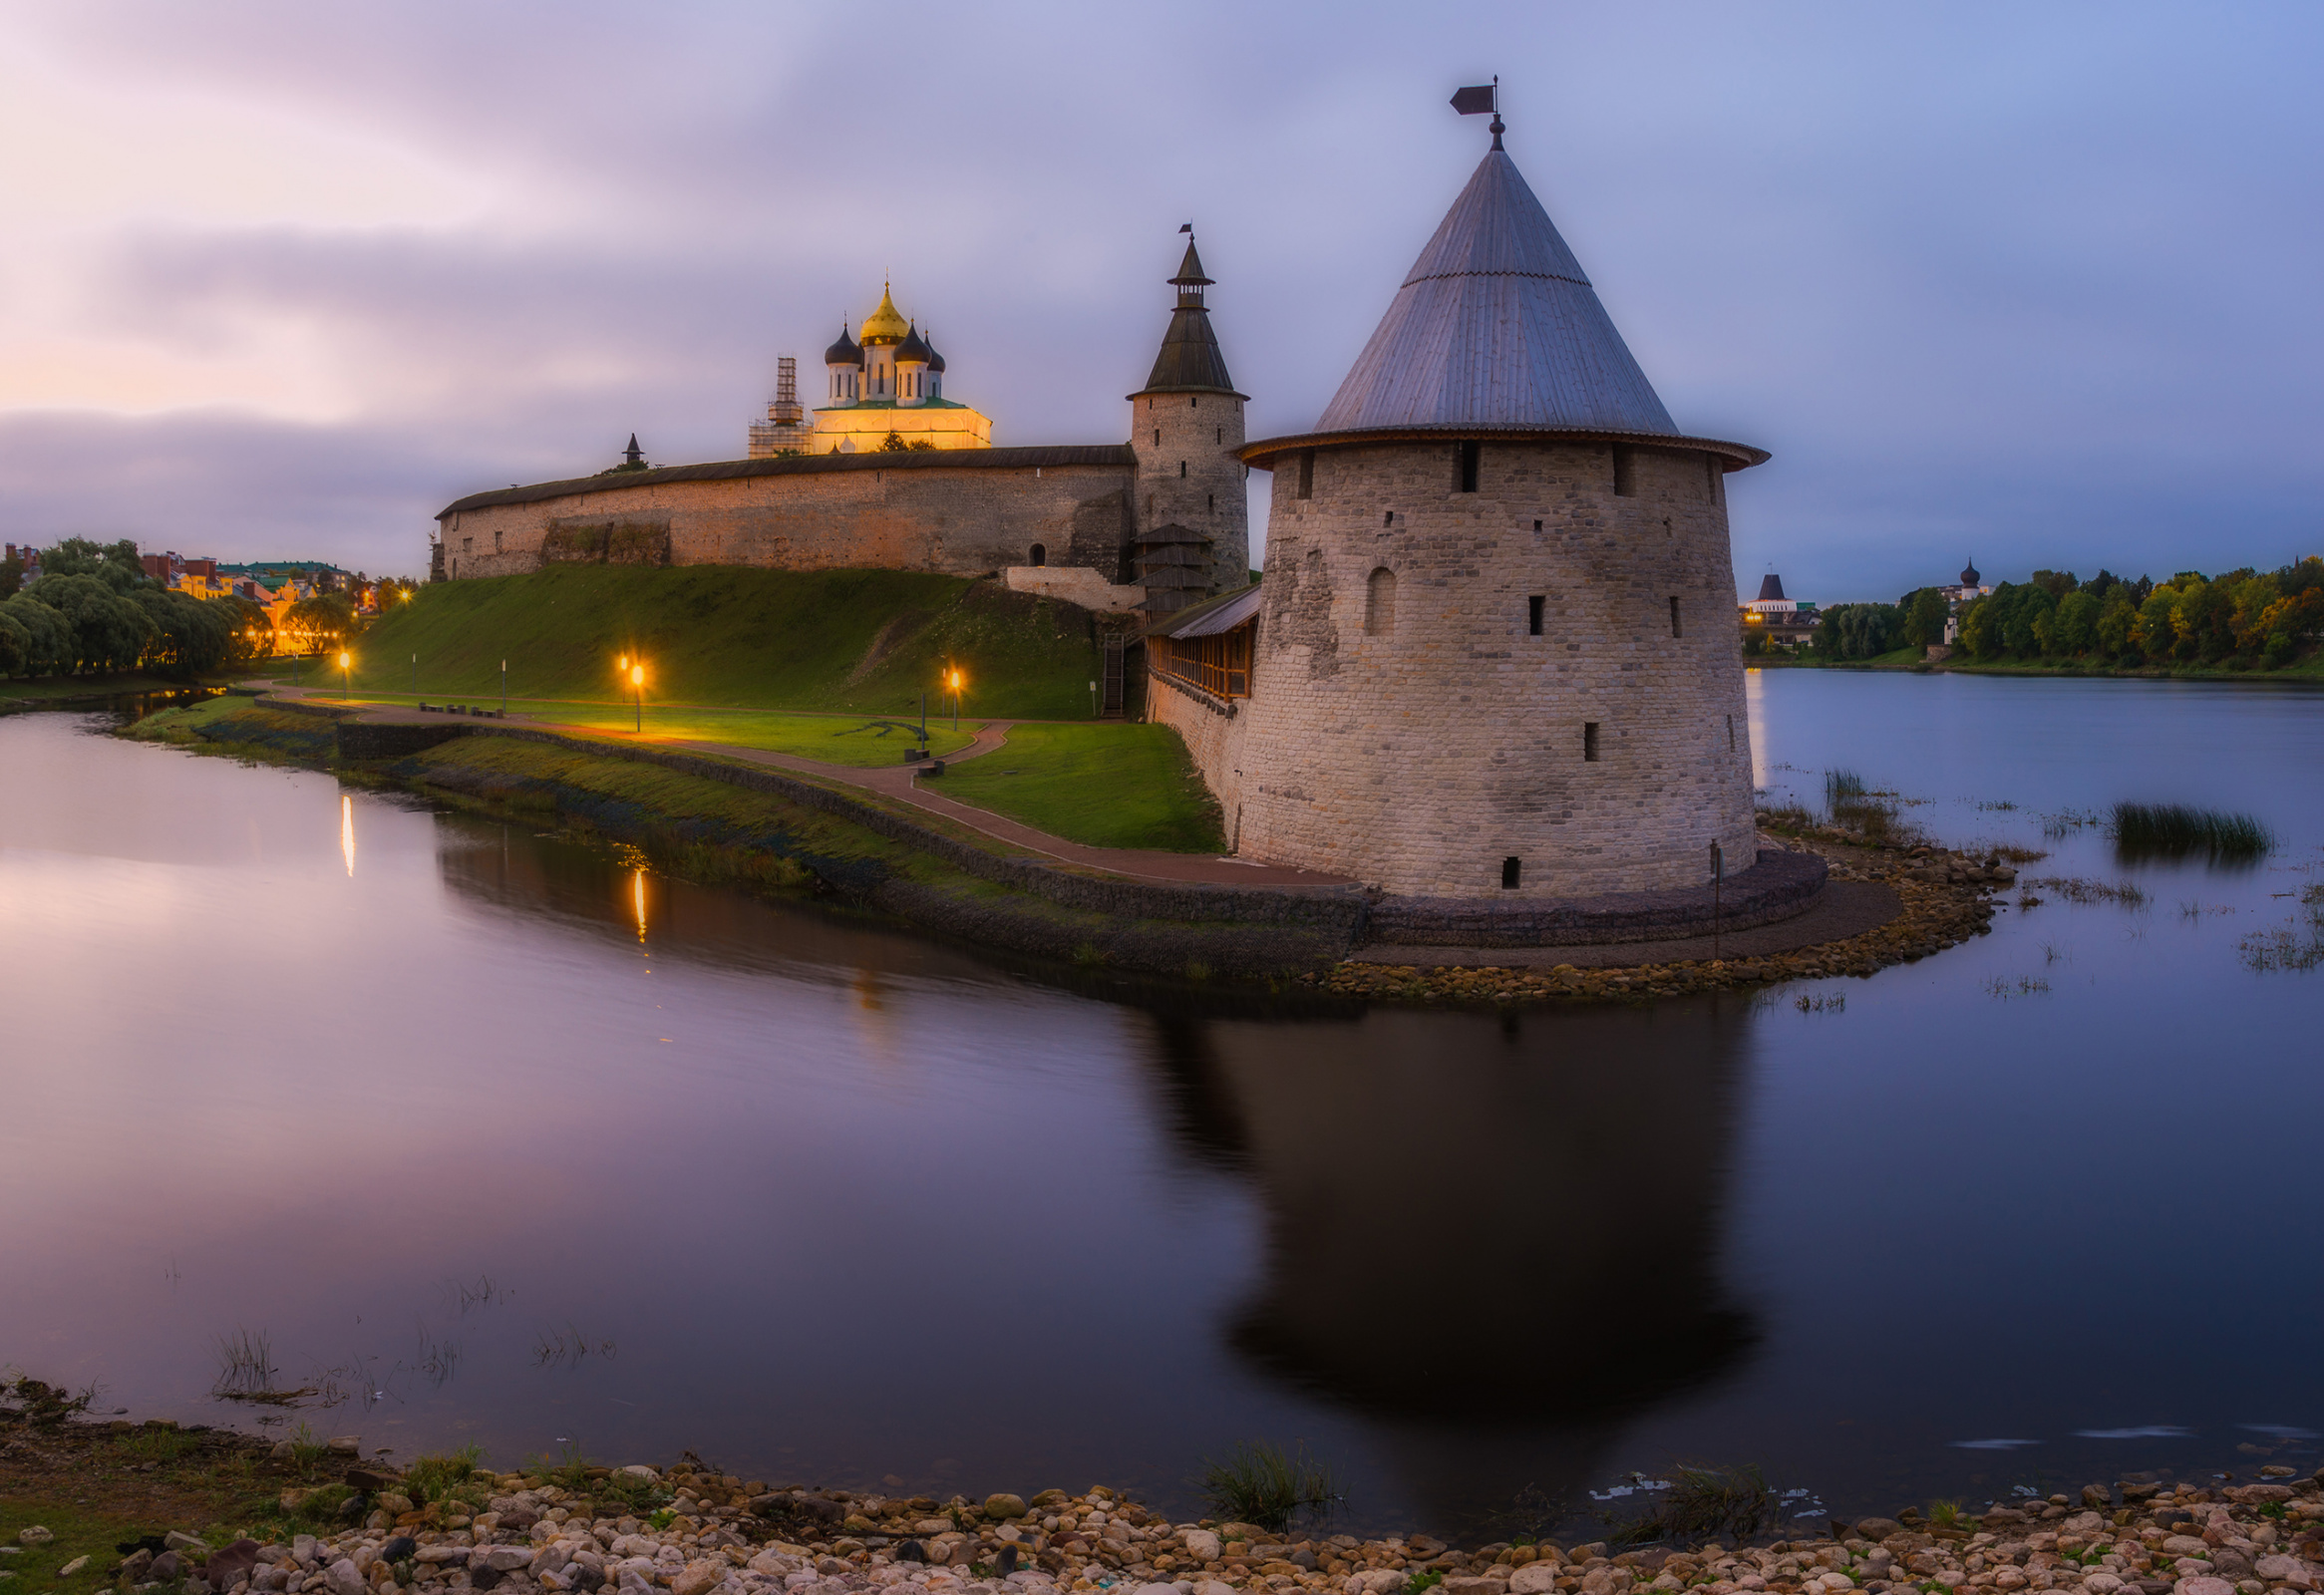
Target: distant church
<point>890,386</point>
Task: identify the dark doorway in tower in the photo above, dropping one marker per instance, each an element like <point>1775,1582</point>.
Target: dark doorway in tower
<point>1470,454</point>
<point>1039,555</point>
<point>1509,875</point>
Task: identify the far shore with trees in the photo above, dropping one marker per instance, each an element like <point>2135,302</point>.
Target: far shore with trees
<point>95,612</point>
<point>2239,621</point>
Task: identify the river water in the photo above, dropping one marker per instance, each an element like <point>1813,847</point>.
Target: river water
<point>496,1136</point>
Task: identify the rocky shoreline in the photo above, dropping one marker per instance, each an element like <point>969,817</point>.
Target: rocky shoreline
<point>1946,900</point>
<point>445,1526</point>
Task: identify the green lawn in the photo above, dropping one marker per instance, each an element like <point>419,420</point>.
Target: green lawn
<point>861,740</point>
<point>866,640</point>
<point>1110,785</point>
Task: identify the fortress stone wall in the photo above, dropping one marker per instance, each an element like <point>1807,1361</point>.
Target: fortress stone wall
<point>958,512</point>
<point>1406,726</point>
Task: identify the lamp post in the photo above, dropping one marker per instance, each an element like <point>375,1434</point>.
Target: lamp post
<point>346,672</point>
<point>637,680</point>
<point>952,680</point>
<point>415,675</point>
<point>503,689</point>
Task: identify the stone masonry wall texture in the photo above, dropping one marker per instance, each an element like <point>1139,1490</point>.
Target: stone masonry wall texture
<point>958,521</point>
<point>1418,755</point>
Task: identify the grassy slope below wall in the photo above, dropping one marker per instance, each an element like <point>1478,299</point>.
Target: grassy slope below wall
<point>863,641</point>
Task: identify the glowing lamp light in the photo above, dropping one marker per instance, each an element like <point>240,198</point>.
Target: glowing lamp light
<point>637,675</point>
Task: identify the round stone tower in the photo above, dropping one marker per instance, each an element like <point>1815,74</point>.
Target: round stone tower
<point>1186,424</point>
<point>1496,655</point>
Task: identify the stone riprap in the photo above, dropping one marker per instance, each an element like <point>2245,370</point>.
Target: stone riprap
<point>1946,895</point>
<point>720,1535</point>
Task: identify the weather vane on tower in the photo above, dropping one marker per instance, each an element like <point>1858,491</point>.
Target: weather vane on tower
<point>1476,101</point>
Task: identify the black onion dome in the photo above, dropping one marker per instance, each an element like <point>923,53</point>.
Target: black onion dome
<point>914,347</point>
<point>845,352</point>
<point>935,360</point>
<point>1969,577</point>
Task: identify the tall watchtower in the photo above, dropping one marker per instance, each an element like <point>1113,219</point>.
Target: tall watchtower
<point>1496,655</point>
<point>1186,425</point>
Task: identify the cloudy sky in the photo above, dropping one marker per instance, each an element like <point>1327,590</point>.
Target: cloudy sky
<point>2043,285</point>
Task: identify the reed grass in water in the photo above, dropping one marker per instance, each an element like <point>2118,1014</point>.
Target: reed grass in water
<point>1266,1486</point>
<point>2172,831</point>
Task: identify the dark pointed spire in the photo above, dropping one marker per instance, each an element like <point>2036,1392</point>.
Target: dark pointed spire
<point>634,453</point>
<point>1189,361</point>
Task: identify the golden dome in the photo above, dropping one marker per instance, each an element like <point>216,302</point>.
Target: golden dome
<point>884,325</point>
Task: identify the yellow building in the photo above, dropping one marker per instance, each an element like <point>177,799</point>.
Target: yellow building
<point>891,384</point>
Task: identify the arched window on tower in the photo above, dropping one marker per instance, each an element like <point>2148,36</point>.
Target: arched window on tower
<point>1380,603</point>
<point>1039,555</point>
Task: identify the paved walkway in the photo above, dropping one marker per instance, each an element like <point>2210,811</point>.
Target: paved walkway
<point>904,783</point>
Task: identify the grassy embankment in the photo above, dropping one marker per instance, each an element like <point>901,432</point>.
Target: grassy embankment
<point>863,642</point>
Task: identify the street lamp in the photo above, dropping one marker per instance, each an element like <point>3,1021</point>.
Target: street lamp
<point>346,672</point>
<point>953,680</point>
<point>637,680</point>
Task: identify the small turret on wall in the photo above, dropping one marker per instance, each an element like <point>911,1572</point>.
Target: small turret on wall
<point>1193,525</point>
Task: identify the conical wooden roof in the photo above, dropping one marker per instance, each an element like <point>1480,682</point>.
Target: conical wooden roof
<point>1497,326</point>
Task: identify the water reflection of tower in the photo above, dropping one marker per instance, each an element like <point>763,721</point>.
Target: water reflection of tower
<point>1492,1240</point>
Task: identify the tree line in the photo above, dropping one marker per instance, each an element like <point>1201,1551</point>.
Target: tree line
<point>94,611</point>
<point>2240,619</point>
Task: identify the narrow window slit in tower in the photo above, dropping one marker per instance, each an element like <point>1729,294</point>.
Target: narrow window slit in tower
<point>1730,734</point>
<point>1306,488</point>
<point>1469,454</point>
<point>1157,437</point>
<point>1626,472</point>
<point>1533,607</point>
<point>1537,526</point>
<point>1589,740</point>
<point>1509,875</point>
<point>1380,603</point>
<point>1181,468</point>
<point>1388,517</point>
<point>1674,615</point>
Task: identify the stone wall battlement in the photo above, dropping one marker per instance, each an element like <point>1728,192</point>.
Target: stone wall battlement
<point>958,512</point>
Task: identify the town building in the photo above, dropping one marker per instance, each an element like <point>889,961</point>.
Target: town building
<point>1491,656</point>
<point>1779,619</point>
<point>1970,587</point>
<point>891,473</point>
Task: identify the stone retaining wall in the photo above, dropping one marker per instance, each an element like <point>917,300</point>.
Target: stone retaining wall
<point>1779,887</point>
